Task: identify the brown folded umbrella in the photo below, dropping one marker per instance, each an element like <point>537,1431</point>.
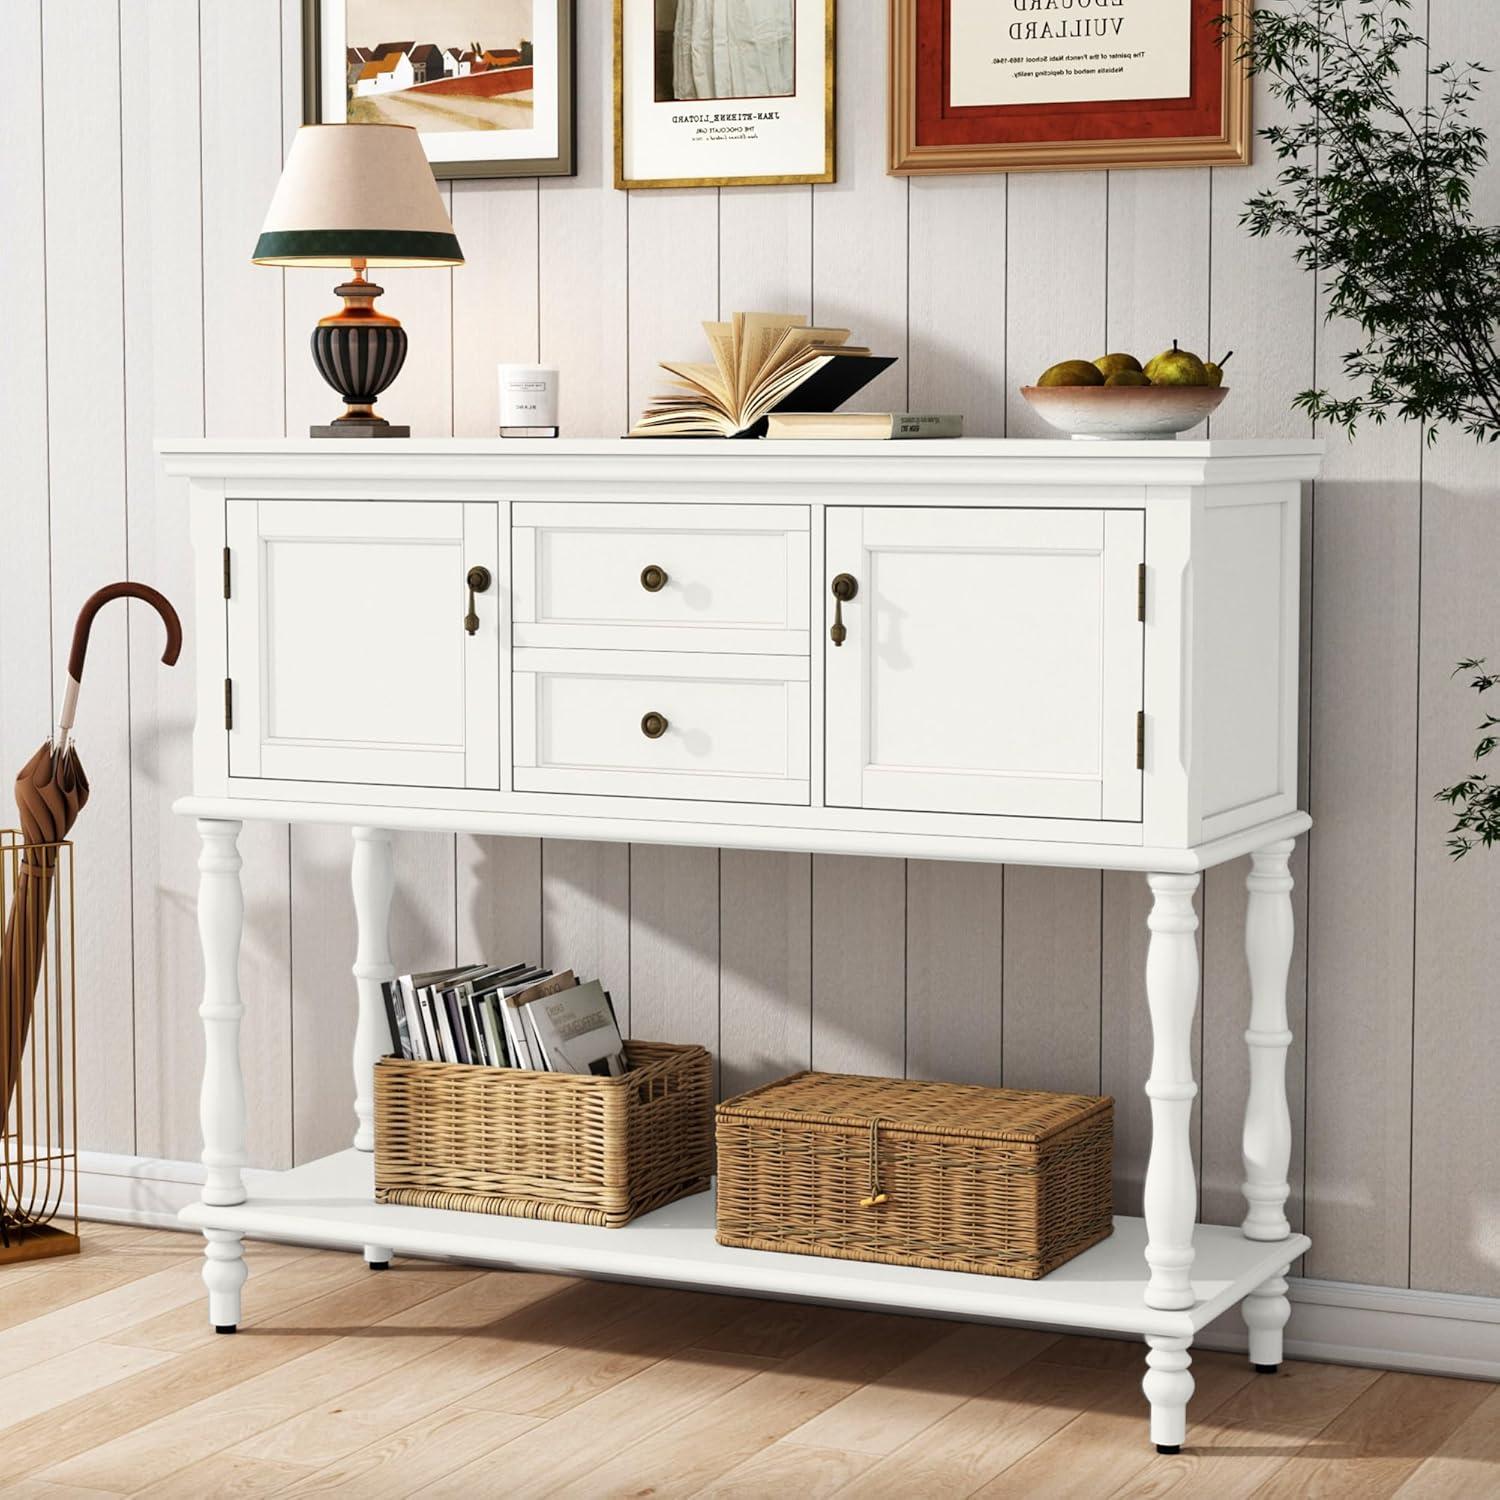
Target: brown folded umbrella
<point>50,791</point>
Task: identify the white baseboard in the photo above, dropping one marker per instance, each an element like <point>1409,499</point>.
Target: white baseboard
<point>1389,1328</point>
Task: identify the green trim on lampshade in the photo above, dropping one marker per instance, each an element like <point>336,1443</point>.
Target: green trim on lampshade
<point>378,246</point>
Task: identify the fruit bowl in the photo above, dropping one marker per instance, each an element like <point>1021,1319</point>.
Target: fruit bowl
<point>1096,413</point>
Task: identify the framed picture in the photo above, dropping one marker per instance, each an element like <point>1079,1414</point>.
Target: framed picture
<point>723,93</point>
<point>488,83</point>
<point>1037,85</point>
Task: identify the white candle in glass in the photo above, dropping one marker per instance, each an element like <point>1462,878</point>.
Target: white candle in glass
<point>528,401</point>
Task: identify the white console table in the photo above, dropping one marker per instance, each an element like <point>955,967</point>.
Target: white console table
<point>1050,653</point>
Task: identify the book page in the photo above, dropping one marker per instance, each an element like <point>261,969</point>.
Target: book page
<point>703,378</point>
<point>757,335</point>
<point>721,344</point>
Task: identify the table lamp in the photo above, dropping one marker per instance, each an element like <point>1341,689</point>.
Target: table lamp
<point>357,196</point>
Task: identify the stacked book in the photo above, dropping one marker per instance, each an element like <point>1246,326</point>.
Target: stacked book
<point>513,1016</point>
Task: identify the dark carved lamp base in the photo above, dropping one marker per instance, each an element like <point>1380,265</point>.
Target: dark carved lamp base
<point>359,352</point>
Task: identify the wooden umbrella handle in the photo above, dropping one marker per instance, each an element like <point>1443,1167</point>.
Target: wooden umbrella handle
<point>127,590</point>
<point>91,607</point>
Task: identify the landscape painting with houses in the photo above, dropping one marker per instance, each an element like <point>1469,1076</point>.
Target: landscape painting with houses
<point>440,65</point>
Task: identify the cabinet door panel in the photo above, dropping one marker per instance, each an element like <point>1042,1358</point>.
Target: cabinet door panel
<point>992,662</point>
<point>347,648</point>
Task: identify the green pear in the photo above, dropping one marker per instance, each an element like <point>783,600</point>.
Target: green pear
<point>1118,364</point>
<point>1215,372</point>
<point>1128,377</point>
<point>1176,366</point>
<point>1072,372</point>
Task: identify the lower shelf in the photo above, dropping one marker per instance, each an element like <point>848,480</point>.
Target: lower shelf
<point>330,1202</point>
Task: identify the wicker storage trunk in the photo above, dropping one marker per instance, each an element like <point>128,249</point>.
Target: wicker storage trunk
<point>941,1175</point>
<point>562,1146</point>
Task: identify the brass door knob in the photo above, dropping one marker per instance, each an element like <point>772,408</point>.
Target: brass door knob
<point>479,580</point>
<point>653,725</point>
<point>653,579</point>
<point>845,587</point>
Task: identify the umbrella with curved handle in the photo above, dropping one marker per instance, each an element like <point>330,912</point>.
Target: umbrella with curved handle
<point>50,792</point>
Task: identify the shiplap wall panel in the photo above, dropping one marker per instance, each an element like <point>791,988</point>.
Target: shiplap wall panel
<point>1363,779</point>
<point>954,971</point>
<point>242,135</point>
<point>674,944</point>
<point>26,650</point>
<point>765,967</point>
<point>586,915</point>
<point>673,276</point>
<point>499,897</point>
<point>957,300</point>
<point>496,307</point>
<point>163,276</point>
<point>859,965</point>
<point>1367,548</point>
<point>1158,263</point>
<point>1053,931</point>
<point>583,256</point>
<point>859,264</point>
<point>765,249</point>
<point>86,463</point>
<point>1455,1214</point>
<point>1051,221</point>
<point>816,956</point>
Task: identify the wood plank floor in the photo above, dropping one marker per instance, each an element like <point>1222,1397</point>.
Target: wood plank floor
<point>445,1380</point>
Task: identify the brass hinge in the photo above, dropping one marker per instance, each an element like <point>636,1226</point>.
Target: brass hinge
<point>1140,588</point>
<point>1140,740</point>
<point>229,703</point>
<point>226,572</point>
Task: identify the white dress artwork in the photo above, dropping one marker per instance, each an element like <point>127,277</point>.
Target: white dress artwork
<point>732,49</point>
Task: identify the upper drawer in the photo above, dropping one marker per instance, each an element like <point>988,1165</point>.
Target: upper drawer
<point>727,577</point>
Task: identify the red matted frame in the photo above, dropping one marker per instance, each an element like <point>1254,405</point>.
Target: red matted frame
<point>1209,128</point>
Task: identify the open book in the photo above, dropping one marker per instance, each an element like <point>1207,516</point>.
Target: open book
<point>759,359</point>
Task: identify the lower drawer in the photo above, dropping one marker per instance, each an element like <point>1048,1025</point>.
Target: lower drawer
<point>662,724</point>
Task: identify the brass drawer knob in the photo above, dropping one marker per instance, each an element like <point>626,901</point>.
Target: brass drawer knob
<point>653,579</point>
<point>653,725</point>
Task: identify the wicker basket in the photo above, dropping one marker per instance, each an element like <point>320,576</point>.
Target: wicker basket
<point>941,1175</point>
<point>563,1146</point>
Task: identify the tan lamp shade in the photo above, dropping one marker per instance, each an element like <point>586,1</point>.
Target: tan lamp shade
<point>357,192</point>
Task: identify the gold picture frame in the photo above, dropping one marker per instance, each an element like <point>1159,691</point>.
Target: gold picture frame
<point>1229,146</point>
<point>772,179</point>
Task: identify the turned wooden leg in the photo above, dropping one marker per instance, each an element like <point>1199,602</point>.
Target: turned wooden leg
<point>1171,1197</point>
<point>1266,1311</point>
<point>1268,1122</point>
<point>373,876</point>
<point>224,1274</point>
<point>221,1110</point>
<point>1169,1387</point>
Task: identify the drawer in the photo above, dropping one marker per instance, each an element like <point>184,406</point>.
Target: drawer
<point>728,577</point>
<point>736,727</point>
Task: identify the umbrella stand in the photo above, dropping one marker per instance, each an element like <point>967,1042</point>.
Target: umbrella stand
<point>39,1147</point>
<point>38,1075</point>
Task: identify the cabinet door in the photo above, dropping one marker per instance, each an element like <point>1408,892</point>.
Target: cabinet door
<point>348,653</point>
<point>992,662</point>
